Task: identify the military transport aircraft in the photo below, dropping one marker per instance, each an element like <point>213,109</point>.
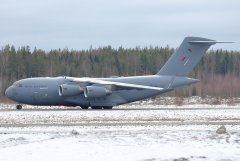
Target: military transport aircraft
<point>104,93</point>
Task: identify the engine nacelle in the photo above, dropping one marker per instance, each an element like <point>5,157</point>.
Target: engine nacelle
<point>96,91</point>
<point>67,90</point>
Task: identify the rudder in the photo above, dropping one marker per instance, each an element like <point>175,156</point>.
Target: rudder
<point>185,58</point>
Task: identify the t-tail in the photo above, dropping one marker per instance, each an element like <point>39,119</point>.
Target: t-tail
<point>182,62</point>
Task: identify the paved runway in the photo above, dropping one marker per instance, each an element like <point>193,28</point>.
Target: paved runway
<point>122,124</point>
<point>153,116</point>
<point>121,109</point>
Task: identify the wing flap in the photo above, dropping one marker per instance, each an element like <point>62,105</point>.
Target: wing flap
<point>120,84</point>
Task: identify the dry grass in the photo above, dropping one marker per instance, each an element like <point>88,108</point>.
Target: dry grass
<point>231,102</point>
<point>179,101</point>
<point>216,101</point>
<point>5,100</point>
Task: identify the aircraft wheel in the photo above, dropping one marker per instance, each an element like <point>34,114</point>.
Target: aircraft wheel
<point>96,107</point>
<point>107,107</point>
<point>19,107</point>
<point>84,107</point>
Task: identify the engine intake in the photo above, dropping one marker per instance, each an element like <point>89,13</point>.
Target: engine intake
<point>95,92</point>
<point>67,90</point>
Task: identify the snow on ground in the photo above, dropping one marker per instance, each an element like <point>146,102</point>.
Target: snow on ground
<point>120,144</point>
<point>132,133</point>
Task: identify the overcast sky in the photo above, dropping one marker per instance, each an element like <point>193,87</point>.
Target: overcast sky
<point>77,24</point>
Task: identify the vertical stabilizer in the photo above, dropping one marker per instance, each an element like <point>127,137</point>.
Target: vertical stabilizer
<point>185,58</point>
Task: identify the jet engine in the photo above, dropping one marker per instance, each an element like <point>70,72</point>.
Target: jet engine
<point>96,91</point>
<point>70,90</point>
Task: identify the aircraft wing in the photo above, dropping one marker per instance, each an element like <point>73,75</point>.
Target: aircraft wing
<point>118,84</point>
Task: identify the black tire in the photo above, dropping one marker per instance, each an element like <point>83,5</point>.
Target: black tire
<point>96,107</point>
<point>85,107</point>
<point>107,107</point>
<point>19,107</point>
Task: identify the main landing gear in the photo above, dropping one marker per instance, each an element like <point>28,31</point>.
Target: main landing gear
<point>99,107</point>
<point>19,107</point>
<point>107,107</point>
<point>84,107</point>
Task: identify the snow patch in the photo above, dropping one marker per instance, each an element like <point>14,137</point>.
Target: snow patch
<point>119,144</point>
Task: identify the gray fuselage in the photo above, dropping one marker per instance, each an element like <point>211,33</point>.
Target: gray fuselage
<point>45,91</point>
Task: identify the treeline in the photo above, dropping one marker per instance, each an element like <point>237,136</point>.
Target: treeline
<point>218,70</point>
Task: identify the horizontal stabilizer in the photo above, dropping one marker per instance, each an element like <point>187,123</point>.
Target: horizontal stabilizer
<point>207,42</point>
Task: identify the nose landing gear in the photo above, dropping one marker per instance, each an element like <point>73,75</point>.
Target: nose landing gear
<point>19,107</point>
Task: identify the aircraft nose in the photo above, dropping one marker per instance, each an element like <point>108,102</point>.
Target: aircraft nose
<point>7,92</point>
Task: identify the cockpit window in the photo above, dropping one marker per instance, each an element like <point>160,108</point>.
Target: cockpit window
<point>17,84</point>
